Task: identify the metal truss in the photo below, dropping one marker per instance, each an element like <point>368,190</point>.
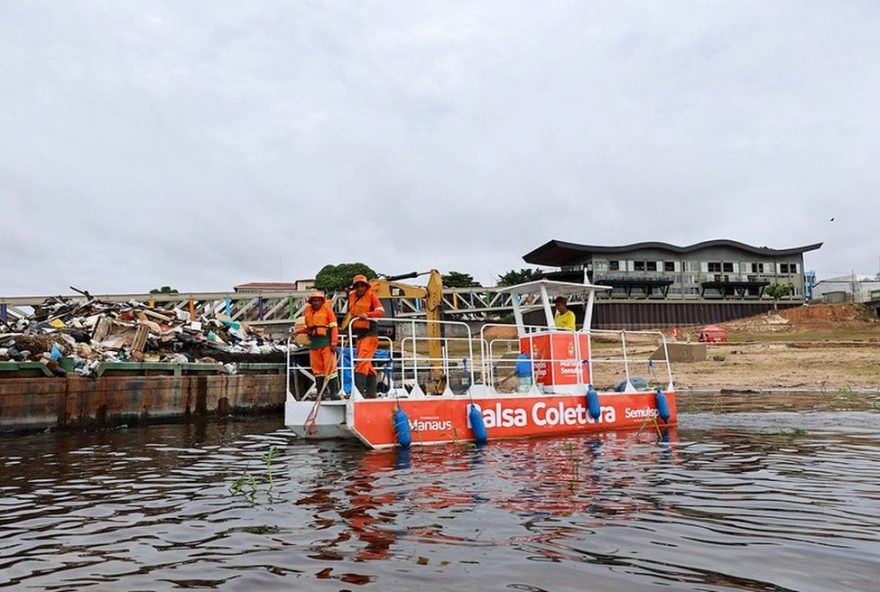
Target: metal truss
<point>280,308</point>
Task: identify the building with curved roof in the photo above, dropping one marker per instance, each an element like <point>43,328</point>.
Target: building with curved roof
<point>723,272</point>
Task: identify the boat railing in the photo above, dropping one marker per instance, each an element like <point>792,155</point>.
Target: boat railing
<point>494,364</point>
<point>295,369</point>
<point>603,370</point>
<point>347,342</point>
<point>415,355</point>
<point>600,356</point>
<point>637,350</point>
<point>491,365</point>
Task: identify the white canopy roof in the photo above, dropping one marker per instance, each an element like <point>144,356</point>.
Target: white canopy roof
<point>546,290</point>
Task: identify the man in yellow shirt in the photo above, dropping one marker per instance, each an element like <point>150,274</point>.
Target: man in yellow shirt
<point>564,318</point>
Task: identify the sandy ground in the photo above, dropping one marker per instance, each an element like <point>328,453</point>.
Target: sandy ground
<point>817,347</point>
<point>795,365</point>
<point>810,348</point>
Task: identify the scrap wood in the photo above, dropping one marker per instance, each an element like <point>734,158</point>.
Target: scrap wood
<point>94,332</point>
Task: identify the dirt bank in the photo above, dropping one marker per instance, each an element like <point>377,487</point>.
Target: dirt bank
<point>814,365</point>
<point>811,347</point>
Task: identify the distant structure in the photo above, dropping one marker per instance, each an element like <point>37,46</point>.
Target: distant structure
<point>847,288</point>
<point>656,283</point>
<point>809,284</point>
<point>256,287</point>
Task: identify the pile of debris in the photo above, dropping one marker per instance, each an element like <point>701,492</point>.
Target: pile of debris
<point>90,332</point>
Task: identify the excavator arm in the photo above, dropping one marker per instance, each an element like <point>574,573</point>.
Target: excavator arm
<point>432,294</point>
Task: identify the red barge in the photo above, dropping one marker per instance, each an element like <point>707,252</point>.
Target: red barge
<point>524,380</point>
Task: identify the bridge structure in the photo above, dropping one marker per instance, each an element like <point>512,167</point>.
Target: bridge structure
<point>276,311</point>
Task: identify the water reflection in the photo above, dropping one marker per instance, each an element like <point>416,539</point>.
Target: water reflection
<point>736,500</point>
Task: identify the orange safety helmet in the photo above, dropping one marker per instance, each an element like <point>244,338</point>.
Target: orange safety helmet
<point>360,279</point>
<point>316,295</point>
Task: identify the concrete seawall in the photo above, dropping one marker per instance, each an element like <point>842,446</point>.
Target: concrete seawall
<point>75,402</point>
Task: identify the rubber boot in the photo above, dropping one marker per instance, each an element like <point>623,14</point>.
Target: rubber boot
<point>372,384</point>
<point>319,384</point>
<point>332,392</point>
<point>360,381</point>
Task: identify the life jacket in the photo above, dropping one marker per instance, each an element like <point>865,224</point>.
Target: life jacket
<point>319,323</point>
<point>366,304</point>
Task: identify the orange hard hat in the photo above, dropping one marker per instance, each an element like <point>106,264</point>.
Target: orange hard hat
<point>316,295</point>
<point>360,279</point>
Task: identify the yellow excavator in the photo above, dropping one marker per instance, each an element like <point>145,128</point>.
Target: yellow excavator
<point>391,288</point>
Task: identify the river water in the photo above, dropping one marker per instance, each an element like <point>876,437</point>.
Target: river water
<point>750,492</point>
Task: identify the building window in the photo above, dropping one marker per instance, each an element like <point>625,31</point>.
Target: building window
<point>640,266</point>
<point>792,268</point>
<point>691,266</point>
<point>614,265</point>
<point>600,265</point>
<point>651,265</point>
<point>714,267</point>
<point>728,267</point>
<point>788,268</point>
<point>757,268</point>
<point>669,266</point>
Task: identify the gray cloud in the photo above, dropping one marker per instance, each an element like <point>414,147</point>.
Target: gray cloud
<point>195,144</point>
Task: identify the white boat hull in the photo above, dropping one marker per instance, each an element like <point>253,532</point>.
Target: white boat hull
<point>329,424</point>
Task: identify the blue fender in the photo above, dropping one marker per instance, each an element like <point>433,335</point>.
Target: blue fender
<point>477,424</point>
<point>662,405</point>
<point>401,428</point>
<point>593,403</point>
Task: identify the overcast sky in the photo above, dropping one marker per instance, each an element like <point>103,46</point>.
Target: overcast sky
<point>204,144</point>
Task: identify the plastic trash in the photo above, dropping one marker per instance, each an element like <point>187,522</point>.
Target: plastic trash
<point>524,373</point>
<point>639,383</point>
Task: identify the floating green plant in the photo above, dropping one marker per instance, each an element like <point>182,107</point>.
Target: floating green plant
<point>574,462</point>
<point>247,485</point>
<point>794,432</point>
<point>846,393</point>
<point>267,458</point>
<point>692,408</point>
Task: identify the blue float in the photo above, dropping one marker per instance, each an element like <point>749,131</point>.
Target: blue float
<point>401,428</point>
<point>662,405</point>
<point>477,424</point>
<point>593,403</point>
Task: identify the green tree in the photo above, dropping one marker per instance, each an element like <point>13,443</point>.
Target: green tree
<point>164,290</point>
<point>777,291</point>
<point>518,276</point>
<point>456,279</point>
<point>333,278</point>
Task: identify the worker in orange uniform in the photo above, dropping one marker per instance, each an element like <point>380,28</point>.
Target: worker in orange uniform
<point>364,307</point>
<point>323,332</point>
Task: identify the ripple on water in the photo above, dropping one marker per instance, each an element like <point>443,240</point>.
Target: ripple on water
<point>734,501</point>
